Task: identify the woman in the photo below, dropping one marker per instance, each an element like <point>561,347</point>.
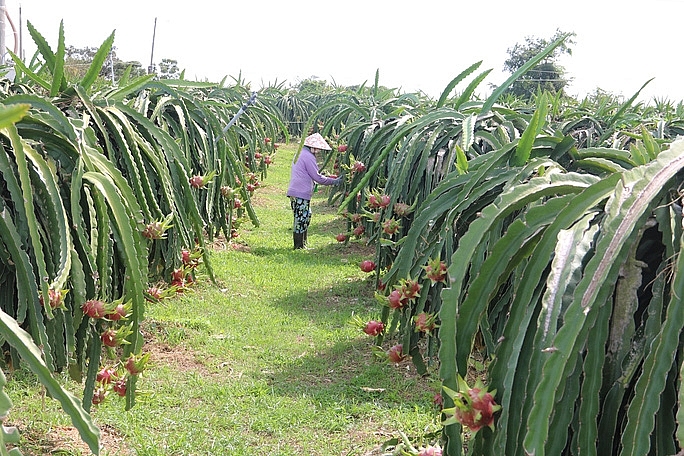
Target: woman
<point>303,176</point>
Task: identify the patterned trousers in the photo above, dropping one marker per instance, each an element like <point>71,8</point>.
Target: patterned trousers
<point>302,214</point>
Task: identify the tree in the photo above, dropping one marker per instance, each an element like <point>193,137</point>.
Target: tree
<point>548,75</point>
<point>78,60</point>
<point>121,66</point>
<point>168,69</point>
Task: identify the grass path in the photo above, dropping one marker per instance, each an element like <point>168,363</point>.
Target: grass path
<point>267,362</point>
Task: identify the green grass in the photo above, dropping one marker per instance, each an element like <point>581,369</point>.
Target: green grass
<point>266,362</point>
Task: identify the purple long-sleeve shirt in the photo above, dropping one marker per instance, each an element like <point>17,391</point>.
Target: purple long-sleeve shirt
<point>304,174</point>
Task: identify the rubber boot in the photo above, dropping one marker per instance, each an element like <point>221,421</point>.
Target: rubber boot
<point>298,239</point>
<point>304,239</point>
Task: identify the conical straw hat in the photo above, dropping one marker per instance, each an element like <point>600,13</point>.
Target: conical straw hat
<point>317,142</point>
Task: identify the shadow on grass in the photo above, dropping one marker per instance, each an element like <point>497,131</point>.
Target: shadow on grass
<point>328,254</point>
<point>330,228</point>
<point>334,305</point>
<point>349,374</point>
<point>348,371</point>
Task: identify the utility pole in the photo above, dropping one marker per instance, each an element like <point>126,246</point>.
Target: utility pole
<point>3,46</point>
<point>150,69</point>
<point>21,39</point>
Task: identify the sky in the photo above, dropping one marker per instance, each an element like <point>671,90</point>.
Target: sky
<point>415,45</point>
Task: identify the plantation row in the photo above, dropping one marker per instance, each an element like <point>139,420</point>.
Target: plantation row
<point>106,204</point>
<point>549,231</point>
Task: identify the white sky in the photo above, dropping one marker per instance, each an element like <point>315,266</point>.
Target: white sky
<point>416,45</point>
